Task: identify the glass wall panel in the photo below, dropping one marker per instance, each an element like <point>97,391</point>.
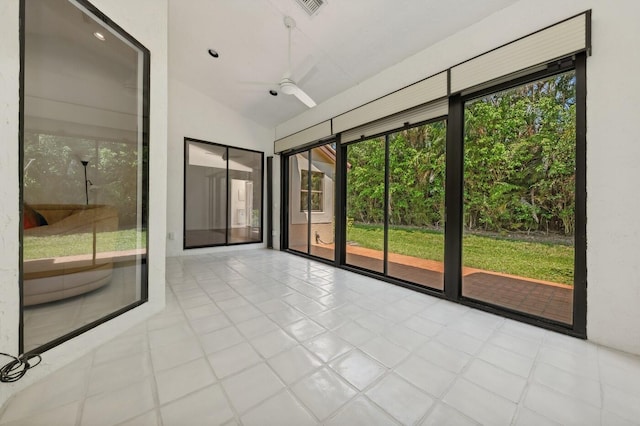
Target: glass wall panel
<point>205,196</point>
<point>365,204</point>
<point>245,201</point>
<point>222,195</point>
<point>85,171</point>
<point>321,193</point>
<point>416,204</point>
<point>519,198</point>
<point>298,202</point>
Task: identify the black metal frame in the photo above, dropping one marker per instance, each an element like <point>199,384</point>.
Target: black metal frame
<point>385,213</point>
<point>285,202</point>
<point>580,271</point>
<point>384,275</point>
<point>146,107</point>
<point>453,200</point>
<point>184,196</point>
<point>578,326</point>
<point>454,207</point>
<point>21,175</point>
<point>270,201</point>
<point>309,212</point>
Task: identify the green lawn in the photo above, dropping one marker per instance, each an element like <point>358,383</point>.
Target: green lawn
<point>549,262</point>
<point>76,244</point>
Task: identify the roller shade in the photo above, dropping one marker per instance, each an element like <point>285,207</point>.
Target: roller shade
<point>432,88</point>
<point>415,115</point>
<point>558,41</point>
<point>303,137</point>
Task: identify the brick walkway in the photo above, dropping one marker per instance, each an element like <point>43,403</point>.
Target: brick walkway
<point>536,297</point>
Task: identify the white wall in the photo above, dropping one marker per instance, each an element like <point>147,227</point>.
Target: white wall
<point>613,141</point>
<point>146,20</point>
<point>296,216</point>
<point>9,169</point>
<point>194,115</point>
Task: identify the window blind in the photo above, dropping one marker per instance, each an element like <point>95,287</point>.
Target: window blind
<point>412,116</point>
<point>555,42</point>
<point>432,88</point>
<point>303,137</point>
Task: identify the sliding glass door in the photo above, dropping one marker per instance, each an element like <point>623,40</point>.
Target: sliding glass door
<point>311,226</point>
<point>222,195</point>
<point>504,174</point>
<point>366,204</point>
<point>395,204</point>
<point>298,231</point>
<point>416,205</point>
<point>520,198</point>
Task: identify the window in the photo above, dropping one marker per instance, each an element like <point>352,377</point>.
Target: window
<point>395,204</point>
<point>520,197</point>
<point>317,196</point>
<point>222,195</point>
<point>85,173</point>
<point>312,233</point>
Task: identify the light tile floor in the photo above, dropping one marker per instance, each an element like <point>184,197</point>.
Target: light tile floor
<point>267,338</point>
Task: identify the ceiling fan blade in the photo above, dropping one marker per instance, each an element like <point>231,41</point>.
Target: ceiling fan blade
<point>303,97</point>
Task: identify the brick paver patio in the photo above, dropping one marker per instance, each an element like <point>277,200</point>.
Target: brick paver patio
<point>536,297</point>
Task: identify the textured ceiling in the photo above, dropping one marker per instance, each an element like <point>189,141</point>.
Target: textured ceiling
<point>346,42</point>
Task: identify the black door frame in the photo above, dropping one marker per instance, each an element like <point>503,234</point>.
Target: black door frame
<point>454,207</point>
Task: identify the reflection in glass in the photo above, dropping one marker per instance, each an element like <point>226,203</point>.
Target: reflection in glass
<point>84,172</point>
<point>205,196</point>
<point>298,190</point>
<point>365,204</point>
<point>519,198</point>
<point>245,200</point>
<point>416,205</point>
<point>222,194</point>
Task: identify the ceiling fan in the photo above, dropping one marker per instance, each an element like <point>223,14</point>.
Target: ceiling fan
<point>287,85</point>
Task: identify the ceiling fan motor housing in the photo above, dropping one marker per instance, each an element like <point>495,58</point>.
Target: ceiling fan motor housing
<point>287,86</point>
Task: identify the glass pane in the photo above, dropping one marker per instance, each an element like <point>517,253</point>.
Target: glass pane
<point>85,171</point>
<point>317,185</point>
<point>365,204</point>
<point>304,197</point>
<point>298,199</point>
<point>205,210</point>
<point>317,178</point>
<point>519,198</point>
<point>416,205</point>
<point>323,165</point>
<point>245,200</point>
<point>317,201</point>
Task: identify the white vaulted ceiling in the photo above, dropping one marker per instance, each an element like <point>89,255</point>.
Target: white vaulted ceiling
<point>346,42</point>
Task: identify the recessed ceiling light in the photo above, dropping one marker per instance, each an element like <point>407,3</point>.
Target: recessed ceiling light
<point>213,53</point>
<point>273,93</point>
<point>99,36</point>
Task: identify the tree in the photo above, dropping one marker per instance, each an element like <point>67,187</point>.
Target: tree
<point>519,165</point>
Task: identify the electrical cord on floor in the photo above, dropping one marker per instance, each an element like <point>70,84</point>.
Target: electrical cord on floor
<point>18,367</point>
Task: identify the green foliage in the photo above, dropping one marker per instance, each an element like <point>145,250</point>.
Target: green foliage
<point>416,177</point>
<point>54,175</point>
<point>554,262</point>
<point>79,244</point>
<point>519,165</point>
<point>519,158</point>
